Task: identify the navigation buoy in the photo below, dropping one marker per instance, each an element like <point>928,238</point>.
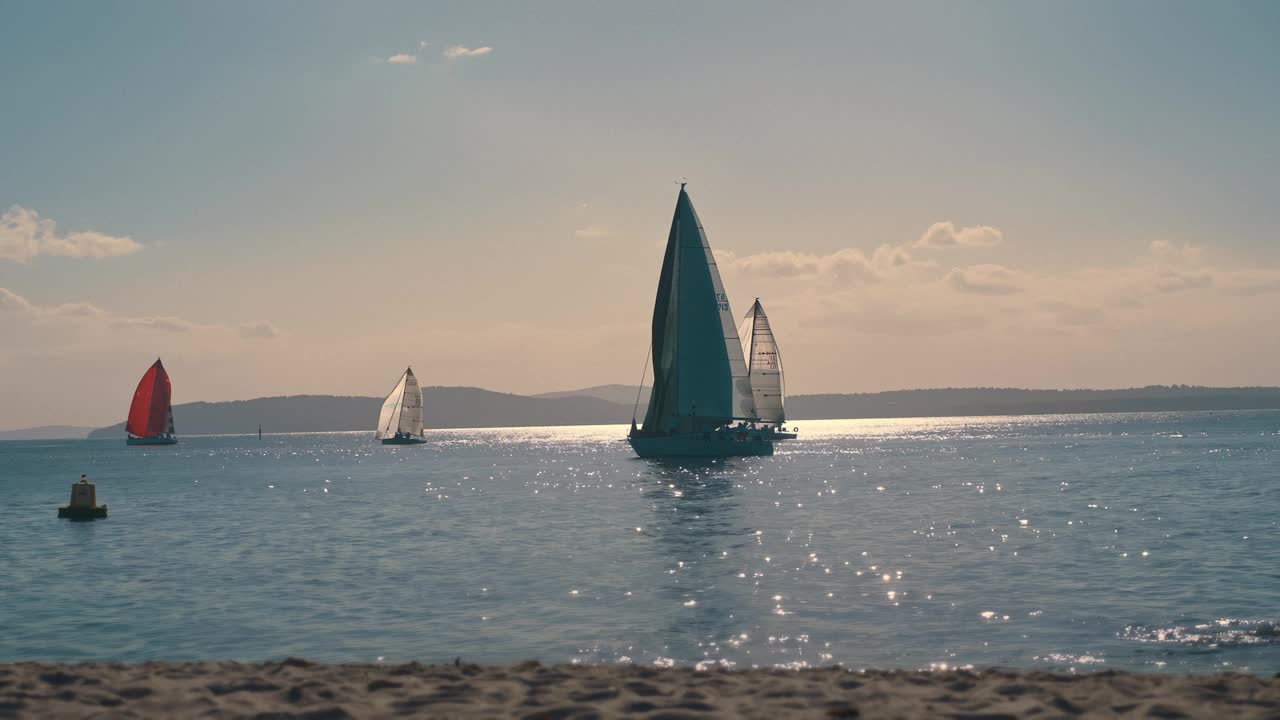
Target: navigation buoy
<point>84,502</point>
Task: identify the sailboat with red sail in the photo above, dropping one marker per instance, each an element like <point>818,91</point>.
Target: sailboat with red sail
<point>151,414</point>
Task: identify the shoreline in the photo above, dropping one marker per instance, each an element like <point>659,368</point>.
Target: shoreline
<point>296,688</point>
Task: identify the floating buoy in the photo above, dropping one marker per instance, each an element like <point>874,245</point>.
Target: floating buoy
<point>84,502</point>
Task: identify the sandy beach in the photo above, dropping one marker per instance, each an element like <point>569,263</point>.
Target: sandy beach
<point>300,689</point>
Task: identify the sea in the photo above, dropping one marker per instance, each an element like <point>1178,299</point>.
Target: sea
<point>1070,542</point>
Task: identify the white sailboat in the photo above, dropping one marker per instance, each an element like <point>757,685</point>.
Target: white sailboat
<point>400,422</point>
<point>764,368</point>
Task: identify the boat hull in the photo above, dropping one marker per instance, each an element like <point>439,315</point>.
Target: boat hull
<point>403,441</point>
<point>159,440</point>
<point>83,513</point>
<point>701,445</point>
<point>782,436</point>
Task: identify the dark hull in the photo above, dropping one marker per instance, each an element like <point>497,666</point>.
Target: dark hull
<point>403,441</point>
<point>158,440</point>
<point>701,445</point>
<point>76,513</point>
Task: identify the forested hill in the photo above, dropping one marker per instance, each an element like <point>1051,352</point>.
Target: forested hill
<point>461,407</point>
<point>443,407</point>
<point>1010,401</point>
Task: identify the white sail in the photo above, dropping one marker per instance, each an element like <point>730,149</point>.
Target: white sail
<point>743,400</point>
<point>764,364</point>
<point>392,409</point>
<point>411,405</point>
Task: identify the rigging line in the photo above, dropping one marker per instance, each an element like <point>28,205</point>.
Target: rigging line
<point>640,389</point>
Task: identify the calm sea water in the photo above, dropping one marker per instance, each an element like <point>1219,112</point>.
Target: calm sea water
<point>1106,541</point>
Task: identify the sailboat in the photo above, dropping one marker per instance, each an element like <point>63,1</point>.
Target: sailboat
<point>701,404</point>
<point>151,414</point>
<point>400,422</point>
<point>764,367</point>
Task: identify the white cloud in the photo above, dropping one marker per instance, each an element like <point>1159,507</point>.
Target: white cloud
<point>985,280</point>
<point>91,316</point>
<point>402,59</point>
<point>1166,252</point>
<point>24,235</point>
<point>849,265</point>
<point>1075,314</point>
<point>896,318</point>
<point>259,330</point>
<point>75,310</point>
<point>165,323</point>
<point>1250,282</point>
<point>946,234</point>
<point>1170,281</point>
<point>592,232</point>
<point>13,302</point>
<point>457,51</point>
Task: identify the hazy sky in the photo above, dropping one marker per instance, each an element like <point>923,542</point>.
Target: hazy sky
<point>285,198</point>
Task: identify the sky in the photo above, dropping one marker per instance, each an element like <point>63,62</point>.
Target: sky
<point>305,197</point>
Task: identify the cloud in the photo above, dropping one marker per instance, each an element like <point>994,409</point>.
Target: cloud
<point>1168,253</point>
<point>946,234</point>
<point>1250,282</point>
<point>13,302</point>
<point>852,265</point>
<point>849,265</point>
<point>456,51</point>
<point>24,235</point>
<point>592,232</point>
<point>893,318</point>
<point>1171,281</point>
<point>985,280</point>
<point>164,323</point>
<point>402,59</point>
<point>259,330</point>
<point>1078,315</point>
<point>75,310</point>
<point>91,316</point>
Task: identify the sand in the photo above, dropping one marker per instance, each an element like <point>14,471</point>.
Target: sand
<point>300,689</point>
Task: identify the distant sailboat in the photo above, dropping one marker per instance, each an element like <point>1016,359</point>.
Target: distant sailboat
<point>701,401</point>
<point>764,367</point>
<point>400,422</point>
<point>151,414</point>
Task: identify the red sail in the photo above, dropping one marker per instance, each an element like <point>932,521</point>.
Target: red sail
<point>149,413</point>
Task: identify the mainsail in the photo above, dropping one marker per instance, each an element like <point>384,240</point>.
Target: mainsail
<point>764,364</point>
<point>698,367</point>
<point>402,410</point>
<point>151,413</point>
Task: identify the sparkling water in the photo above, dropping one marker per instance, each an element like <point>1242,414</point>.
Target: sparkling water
<point>1138,541</point>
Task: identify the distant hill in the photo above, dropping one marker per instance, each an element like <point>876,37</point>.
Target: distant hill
<point>460,407</point>
<point>1010,401</point>
<point>47,432</point>
<point>621,394</point>
<point>443,407</point>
